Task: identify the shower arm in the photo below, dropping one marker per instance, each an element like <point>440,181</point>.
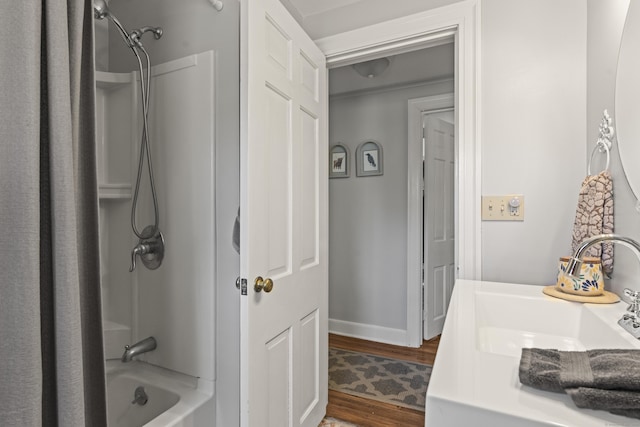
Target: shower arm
<point>136,35</point>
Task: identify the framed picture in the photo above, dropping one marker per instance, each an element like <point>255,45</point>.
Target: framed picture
<point>369,159</point>
<point>339,161</point>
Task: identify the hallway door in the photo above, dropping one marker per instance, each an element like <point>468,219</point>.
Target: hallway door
<point>439,238</point>
<point>284,219</point>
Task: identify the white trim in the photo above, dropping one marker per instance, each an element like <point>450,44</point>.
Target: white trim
<point>391,88</point>
<point>405,34</point>
<point>368,332</point>
<point>413,32</point>
<point>415,109</point>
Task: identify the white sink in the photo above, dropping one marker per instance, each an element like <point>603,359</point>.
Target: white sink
<point>475,377</point>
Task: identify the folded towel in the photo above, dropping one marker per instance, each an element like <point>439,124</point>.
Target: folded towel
<point>608,400</point>
<point>594,215</point>
<point>540,368</point>
<point>554,370</point>
<point>618,402</point>
<point>595,379</point>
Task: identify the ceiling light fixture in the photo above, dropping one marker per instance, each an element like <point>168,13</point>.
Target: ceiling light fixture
<point>373,68</point>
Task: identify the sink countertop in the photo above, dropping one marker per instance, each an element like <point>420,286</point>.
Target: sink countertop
<point>475,376</point>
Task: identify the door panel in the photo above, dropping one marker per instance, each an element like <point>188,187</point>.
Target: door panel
<point>284,221</point>
<point>309,185</point>
<point>278,370</point>
<point>310,388</point>
<point>278,158</point>
<point>439,291</point>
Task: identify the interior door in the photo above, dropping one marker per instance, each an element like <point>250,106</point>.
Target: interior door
<point>284,220</point>
<point>439,238</point>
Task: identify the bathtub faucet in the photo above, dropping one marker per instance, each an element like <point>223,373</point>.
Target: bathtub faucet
<point>130,351</point>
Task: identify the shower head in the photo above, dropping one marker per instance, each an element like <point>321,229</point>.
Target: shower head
<point>100,9</point>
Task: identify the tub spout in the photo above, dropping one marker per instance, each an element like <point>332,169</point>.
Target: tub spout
<point>130,351</point>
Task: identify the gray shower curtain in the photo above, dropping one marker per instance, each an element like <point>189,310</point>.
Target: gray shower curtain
<point>51,357</point>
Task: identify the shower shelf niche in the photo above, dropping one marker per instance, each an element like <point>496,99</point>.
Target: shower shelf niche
<point>114,191</point>
<point>116,136</point>
<point>106,80</point>
<point>115,95</point>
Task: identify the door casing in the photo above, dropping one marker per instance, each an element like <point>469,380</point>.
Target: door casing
<point>460,21</point>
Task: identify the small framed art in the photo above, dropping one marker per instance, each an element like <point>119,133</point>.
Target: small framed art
<point>339,161</point>
<point>369,159</point>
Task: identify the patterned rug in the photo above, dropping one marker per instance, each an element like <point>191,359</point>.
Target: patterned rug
<point>387,380</point>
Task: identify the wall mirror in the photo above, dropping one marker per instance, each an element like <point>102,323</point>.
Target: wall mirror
<point>627,98</point>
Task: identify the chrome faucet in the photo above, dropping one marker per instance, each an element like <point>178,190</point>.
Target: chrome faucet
<point>630,321</point>
<point>130,351</point>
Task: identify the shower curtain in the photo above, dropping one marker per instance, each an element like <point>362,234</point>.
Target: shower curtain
<point>51,357</point>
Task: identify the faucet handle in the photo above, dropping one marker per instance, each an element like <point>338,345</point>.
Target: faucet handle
<point>139,249</point>
<point>634,300</point>
<point>633,295</point>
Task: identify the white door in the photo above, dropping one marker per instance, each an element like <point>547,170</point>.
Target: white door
<point>284,220</point>
<point>439,239</point>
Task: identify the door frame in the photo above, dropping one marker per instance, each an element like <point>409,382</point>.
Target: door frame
<point>460,22</point>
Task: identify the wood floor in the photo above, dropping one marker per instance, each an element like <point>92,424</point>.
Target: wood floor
<point>370,413</point>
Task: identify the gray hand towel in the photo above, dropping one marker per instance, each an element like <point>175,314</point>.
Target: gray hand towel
<point>540,368</point>
<point>554,370</point>
<point>595,379</point>
<point>597,398</point>
<point>619,402</point>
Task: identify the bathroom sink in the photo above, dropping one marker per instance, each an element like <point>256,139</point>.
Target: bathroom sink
<point>507,322</point>
<point>475,377</point>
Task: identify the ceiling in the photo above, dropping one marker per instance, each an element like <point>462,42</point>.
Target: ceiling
<point>434,63</point>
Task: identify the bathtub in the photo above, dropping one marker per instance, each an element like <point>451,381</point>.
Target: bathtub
<point>174,399</point>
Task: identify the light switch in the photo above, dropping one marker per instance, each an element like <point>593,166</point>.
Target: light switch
<point>509,207</point>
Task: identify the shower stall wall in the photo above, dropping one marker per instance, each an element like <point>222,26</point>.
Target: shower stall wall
<point>194,129</point>
<point>175,303</point>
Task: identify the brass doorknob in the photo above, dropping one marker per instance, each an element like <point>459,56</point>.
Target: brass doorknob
<point>261,284</point>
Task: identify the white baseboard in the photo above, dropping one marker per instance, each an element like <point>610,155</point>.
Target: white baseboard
<point>369,332</point>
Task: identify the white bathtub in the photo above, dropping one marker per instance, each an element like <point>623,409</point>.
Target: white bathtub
<point>174,399</point>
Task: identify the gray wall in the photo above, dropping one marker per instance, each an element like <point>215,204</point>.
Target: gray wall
<point>533,124</point>
<point>193,26</point>
<point>368,215</point>
<point>606,21</point>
